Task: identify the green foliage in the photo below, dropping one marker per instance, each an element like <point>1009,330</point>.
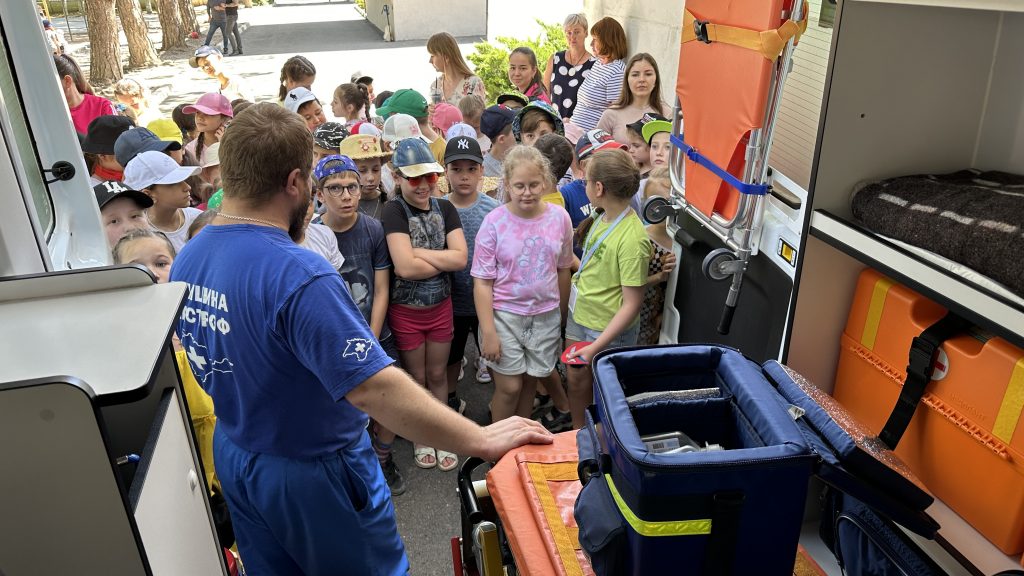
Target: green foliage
<point>362,5</point>
<point>491,61</point>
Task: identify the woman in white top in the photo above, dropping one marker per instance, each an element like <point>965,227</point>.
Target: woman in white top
<point>604,83</point>
<point>640,94</point>
<point>456,79</point>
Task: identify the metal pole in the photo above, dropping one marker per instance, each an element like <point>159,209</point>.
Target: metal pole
<point>67,22</point>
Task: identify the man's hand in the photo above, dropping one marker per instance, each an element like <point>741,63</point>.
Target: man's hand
<point>510,433</point>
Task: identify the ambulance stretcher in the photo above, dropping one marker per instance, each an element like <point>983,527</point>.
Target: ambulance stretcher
<point>733,63</point>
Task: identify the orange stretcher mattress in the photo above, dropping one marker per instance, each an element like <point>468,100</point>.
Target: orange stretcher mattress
<point>722,90</point>
<point>534,489</point>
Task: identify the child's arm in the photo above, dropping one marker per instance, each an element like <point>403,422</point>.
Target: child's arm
<point>632,297</point>
<point>407,265</point>
<point>483,295</point>
<point>564,280</point>
<point>381,296</point>
<point>451,259</point>
<point>668,264</point>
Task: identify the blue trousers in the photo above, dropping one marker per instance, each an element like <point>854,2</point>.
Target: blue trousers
<point>329,516</point>
<point>214,26</point>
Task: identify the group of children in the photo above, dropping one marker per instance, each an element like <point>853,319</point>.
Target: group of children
<point>444,221</point>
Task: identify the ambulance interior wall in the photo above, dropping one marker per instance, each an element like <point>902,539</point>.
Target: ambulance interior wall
<point>913,89</point>
<point>917,89</point>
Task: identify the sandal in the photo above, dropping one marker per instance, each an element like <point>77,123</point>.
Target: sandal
<point>421,454</point>
<point>442,456</point>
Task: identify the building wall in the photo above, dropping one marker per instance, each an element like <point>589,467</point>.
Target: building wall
<point>419,19</point>
<point>651,26</point>
<point>654,27</point>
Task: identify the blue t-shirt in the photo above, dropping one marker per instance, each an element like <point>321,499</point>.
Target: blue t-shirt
<point>462,281</point>
<point>272,334</point>
<point>365,251</point>
<point>576,202</point>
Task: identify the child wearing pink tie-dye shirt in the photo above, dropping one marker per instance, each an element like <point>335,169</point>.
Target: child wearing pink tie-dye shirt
<point>521,283</point>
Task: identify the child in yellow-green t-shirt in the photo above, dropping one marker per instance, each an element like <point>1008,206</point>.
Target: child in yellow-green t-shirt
<point>606,293</point>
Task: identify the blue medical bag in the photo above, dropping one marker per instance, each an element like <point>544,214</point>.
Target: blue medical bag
<point>732,502</point>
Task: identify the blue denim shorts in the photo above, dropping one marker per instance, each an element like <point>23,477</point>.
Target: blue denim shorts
<point>578,333</point>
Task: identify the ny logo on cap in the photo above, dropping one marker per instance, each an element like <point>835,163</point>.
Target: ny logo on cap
<point>114,187</point>
<point>463,144</point>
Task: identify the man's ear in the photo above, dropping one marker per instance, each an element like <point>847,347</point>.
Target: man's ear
<point>297,182</point>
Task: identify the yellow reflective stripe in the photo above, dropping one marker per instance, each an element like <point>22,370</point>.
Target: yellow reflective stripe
<point>566,545</point>
<point>1013,403</point>
<point>700,527</point>
<point>871,323</point>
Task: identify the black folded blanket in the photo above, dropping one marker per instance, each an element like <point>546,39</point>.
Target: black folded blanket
<point>971,217</point>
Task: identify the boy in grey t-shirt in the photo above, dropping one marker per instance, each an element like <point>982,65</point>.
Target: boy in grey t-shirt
<point>464,170</point>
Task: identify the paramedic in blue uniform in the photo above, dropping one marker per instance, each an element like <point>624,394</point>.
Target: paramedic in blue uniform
<point>272,334</point>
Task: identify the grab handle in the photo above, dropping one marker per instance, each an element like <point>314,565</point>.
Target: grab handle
<point>466,493</point>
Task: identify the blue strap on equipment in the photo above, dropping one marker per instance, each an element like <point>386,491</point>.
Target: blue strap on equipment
<point>741,186</point>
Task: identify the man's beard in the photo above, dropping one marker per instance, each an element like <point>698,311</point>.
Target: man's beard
<point>297,219</point>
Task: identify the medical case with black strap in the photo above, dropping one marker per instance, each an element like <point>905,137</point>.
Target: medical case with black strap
<point>732,501</point>
<point>945,396</point>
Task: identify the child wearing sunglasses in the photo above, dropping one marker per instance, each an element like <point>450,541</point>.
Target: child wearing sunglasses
<point>426,242</point>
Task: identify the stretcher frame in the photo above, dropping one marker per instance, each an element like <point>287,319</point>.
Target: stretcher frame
<point>741,232</point>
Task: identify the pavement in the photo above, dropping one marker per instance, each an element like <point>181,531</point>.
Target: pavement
<point>332,34</point>
<point>339,41</point>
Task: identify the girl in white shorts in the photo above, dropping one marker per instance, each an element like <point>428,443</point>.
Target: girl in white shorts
<point>521,283</point>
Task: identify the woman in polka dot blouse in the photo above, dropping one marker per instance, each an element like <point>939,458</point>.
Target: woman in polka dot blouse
<point>567,69</point>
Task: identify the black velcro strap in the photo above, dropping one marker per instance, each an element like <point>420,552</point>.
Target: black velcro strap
<point>725,529</point>
<point>919,373</point>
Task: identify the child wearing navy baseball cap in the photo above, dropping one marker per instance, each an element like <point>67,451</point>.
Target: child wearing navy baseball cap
<point>465,172</point>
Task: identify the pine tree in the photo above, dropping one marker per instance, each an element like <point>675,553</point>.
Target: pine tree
<point>105,49</point>
<point>140,50</point>
<point>174,31</point>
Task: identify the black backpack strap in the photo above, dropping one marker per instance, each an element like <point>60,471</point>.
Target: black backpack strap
<point>725,528</point>
<point>923,351</point>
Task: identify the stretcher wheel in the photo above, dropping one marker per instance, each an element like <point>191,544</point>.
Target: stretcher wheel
<point>712,265</point>
<point>656,209</point>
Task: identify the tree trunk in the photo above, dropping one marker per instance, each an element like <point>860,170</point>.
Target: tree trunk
<point>170,22</point>
<point>105,49</point>
<point>140,50</point>
<point>188,16</point>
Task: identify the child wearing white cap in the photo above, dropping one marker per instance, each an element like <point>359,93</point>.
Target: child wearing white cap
<point>159,176</point>
<point>304,103</point>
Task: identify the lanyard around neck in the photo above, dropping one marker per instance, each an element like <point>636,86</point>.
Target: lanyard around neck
<point>589,252</point>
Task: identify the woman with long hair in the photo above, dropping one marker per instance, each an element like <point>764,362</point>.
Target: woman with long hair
<point>83,104</point>
<point>525,75</point>
<point>640,94</point>
<point>567,69</point>
<point>603,85</point>
<point>455,79</point>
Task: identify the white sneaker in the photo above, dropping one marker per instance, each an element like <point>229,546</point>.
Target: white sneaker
<point>462,371</point>
<point>483,376</point>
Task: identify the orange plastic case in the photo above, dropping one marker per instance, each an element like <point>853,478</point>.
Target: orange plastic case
<point>964,441</point>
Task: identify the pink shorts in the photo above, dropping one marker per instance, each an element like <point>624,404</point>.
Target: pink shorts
<point>412,325</point>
